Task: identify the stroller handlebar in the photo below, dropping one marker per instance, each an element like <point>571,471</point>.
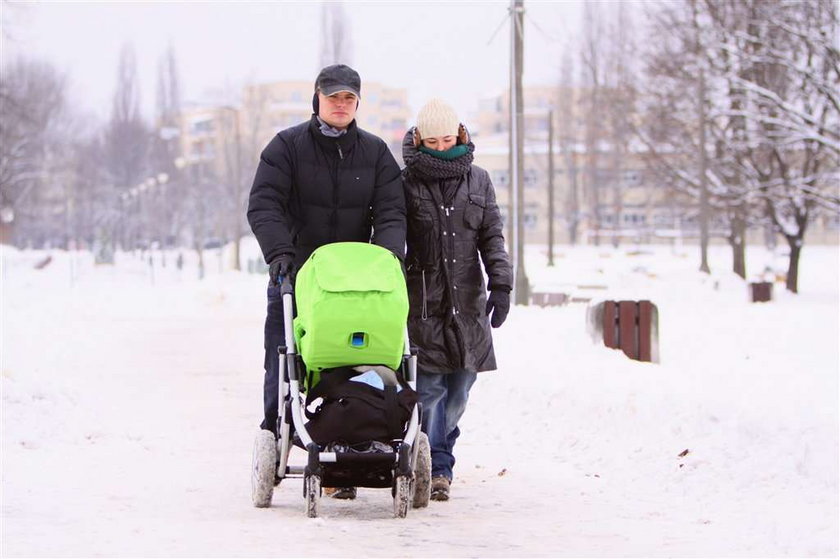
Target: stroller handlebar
<point>286,285</point>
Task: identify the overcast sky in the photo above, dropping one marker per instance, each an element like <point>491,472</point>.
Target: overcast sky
<point>445,49</point>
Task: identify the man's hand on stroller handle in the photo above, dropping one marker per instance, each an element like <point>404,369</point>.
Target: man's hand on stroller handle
<point>280,267</point>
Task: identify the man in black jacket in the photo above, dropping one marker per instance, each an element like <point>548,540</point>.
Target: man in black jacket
<point>319,182</point>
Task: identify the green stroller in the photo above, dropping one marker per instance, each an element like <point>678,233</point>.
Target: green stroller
<point>352,308</point>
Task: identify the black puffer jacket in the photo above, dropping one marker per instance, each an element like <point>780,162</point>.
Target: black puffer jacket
<point>311,190</point>
<point>447,318</point>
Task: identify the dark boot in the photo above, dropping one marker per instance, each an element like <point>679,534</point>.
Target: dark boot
<point>440,488</point>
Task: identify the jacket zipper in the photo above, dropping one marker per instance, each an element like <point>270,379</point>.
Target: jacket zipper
<point>334,216</point>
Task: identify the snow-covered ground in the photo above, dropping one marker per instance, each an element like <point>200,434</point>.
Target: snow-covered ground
<point>130,403</point>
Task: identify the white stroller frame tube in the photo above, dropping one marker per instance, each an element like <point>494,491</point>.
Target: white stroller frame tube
<point>294,383</point>
<point>411,360</point>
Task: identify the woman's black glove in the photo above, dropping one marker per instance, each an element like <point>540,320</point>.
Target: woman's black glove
<point>499,303</point>
<point>280,267</point>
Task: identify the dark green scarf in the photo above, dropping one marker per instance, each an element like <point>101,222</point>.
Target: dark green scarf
<point>452,153</point>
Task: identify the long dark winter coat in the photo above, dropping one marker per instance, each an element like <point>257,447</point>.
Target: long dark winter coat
<point>311,190</point>
<point>446,289</point>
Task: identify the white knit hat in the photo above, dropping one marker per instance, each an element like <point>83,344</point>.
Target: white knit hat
<point>436,118</point>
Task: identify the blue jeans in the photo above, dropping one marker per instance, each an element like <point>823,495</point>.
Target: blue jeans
<point>444,398</point>
<point>274,336</point>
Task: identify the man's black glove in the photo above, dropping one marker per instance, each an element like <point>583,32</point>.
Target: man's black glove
<point>499,303</point>
<point>280,267</point>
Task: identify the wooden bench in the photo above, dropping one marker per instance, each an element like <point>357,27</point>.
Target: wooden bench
<point>631,326</point>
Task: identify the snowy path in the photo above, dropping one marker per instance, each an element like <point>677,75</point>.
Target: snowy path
<point>129,413</point>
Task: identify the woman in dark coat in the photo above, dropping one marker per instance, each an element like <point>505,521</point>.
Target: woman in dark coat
<point>453,220</point>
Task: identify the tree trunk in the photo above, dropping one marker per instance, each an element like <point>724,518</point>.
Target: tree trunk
<point>236,258</point>
<point>574,205</point>
<point>737,241</point>
<point>200,251</point>
<point>795,243</point>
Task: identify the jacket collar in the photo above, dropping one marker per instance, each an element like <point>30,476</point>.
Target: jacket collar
<point>345,141</point>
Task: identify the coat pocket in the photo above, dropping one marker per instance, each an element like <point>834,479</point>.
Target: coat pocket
<point>474,212</point>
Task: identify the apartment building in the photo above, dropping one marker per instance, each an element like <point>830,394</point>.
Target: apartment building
<point>271,107</point>
<point>210,134</point>
<point>601,195</point>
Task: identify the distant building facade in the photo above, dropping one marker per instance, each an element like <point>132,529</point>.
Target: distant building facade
<point>601,195</point>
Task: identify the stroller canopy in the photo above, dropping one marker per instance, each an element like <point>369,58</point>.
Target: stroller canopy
<point>352,307</point>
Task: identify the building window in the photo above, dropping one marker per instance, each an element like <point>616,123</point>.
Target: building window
<point>663,220</point>
<point>202,127</point>
<point>633,219</point>
<point>500,178</point>
<point>531,178</point>
<point>530,220</point>
<point>632,177</point>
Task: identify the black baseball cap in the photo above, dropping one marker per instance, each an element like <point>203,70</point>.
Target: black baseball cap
<point>338,77</point>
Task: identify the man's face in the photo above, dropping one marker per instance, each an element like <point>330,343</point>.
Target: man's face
<point>338,110</point>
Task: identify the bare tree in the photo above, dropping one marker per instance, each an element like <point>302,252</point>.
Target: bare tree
<point>32,99</point>
<point>336,44</point>
<point>166,149</point>
<point>618,100</point>
<point>234,177</point>
<point>770,111</point>
<point>126,144</point>
<point>567,136</point>
<point>791,85</point>
<point>592,70</point>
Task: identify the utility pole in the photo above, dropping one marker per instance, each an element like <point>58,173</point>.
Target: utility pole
<point>701,116</point>
<point>521,288</point>
<point>704,187</point>
<point>550,187</point>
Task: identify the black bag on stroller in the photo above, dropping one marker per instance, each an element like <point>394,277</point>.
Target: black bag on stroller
<point>353,412</point>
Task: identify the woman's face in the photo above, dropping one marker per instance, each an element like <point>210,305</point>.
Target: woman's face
<point>440,143</point>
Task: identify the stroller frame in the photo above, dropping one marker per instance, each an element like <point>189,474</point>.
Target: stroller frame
<point>409,465</point>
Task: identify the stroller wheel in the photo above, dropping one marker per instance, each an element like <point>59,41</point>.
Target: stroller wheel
<point>312,494</point>
<point>422,472</point>
<point>263,468</point>
<point>402,496</point>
